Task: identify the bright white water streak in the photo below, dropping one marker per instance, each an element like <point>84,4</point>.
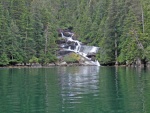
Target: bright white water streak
<point>81,81</point>
<point>82,49</point>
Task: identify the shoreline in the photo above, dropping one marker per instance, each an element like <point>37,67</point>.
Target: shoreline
<point>69,64</point>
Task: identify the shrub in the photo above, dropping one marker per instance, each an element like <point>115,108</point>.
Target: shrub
<point>34,60</point>
<point>72,58</point>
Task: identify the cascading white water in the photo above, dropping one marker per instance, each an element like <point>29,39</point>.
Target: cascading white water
<point>89,49</point>
<point>82,50</point>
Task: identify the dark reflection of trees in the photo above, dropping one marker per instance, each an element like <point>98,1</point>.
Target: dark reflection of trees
<point>110,96</point>
<point>123,90</point>
<point>143,88</point>
<point>28,91</point>
<point>75,90</point>
<point>133,88</point>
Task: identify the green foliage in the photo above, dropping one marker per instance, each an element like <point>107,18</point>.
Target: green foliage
<point>72,58</point>
<point>148,53</point>
<point>4,60</point>
<point>34,60</point>
<point>47,58</point>
<point>29,28</point>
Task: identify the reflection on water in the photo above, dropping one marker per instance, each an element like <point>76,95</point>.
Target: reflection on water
<point>75,90</point>
<point>78,81</point>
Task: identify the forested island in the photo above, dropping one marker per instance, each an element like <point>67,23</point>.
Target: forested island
<point>120,28</point>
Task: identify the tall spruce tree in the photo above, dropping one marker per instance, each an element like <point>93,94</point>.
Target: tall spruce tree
<point>121,28</point>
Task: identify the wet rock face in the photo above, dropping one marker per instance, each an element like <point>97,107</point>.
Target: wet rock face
<point>69,42</point>
<point>61,41</point>
<point>67,33</point>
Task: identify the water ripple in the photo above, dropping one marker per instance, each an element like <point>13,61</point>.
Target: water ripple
<point>77,83</point>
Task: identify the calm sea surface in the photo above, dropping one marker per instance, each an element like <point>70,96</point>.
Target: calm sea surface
<point>75,90</point>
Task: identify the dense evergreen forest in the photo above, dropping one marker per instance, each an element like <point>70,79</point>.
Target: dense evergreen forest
<point>28,29</point>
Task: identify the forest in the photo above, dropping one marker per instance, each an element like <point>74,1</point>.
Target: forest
<point>120,28</point>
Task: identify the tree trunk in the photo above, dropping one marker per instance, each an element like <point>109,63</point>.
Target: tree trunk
<point>89,3</point>
<point>46,38</point>
<point>143,19</point>
<point>26,40</point>
<point>139,44</point>
<point>116,52</point>
<point>138,62</point>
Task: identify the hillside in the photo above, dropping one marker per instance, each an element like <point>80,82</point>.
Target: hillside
<point>29,29</point>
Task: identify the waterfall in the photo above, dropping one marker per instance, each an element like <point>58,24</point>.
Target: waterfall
<point>77,47</point>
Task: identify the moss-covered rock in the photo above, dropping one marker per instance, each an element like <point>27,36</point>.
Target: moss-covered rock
<point>72,58</point>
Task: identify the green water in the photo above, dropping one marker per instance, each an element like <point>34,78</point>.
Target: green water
<point>75,90</point>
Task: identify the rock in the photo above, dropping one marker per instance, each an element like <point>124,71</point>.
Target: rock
<point>138,62</point>
<point>63,63</point>
<point>148,64</point>
<point>20,64</point>
<point>51,64</point>
<point>36,65</point>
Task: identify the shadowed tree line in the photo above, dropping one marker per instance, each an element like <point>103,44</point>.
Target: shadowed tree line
<point>28,29</point>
